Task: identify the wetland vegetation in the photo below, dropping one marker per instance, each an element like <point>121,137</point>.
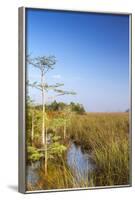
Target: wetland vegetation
<point>68,147</point>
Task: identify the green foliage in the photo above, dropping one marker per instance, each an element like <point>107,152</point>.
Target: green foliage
<point>56,138</point>
<point>60,106</point>
<point>33,154</point>
<point>78,108</point>
<point>35,115</point>
<point>57,149</point>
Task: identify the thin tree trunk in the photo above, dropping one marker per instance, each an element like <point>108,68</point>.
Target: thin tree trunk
<point>43,111</point>
<point>45,151</point>
<point>64,129</point>
<point>44,132</point>
<point>32,128</point>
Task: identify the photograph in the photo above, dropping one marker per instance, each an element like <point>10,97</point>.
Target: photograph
<point>77,100</point>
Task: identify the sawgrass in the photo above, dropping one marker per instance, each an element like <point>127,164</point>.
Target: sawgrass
<point>106,137</point>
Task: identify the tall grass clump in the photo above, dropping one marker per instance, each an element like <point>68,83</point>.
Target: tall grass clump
<point>106,137</point>
<point>59,176</point>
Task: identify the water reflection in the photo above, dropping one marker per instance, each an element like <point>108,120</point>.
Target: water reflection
<point>79,162</point>
<point>32,173</point>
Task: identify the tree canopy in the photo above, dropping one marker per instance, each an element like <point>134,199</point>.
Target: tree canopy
<point>60,106</point>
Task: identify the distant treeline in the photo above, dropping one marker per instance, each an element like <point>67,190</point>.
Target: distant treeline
<point>59,106</point>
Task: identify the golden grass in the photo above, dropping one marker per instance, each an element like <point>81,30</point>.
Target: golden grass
<point>106,136</point>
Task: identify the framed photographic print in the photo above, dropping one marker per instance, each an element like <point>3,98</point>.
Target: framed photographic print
<point>74,100</point>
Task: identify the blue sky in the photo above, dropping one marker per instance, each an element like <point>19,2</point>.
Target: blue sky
<point>92,52</point>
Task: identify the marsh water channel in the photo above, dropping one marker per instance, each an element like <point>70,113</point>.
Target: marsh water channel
<point>79,161</point>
